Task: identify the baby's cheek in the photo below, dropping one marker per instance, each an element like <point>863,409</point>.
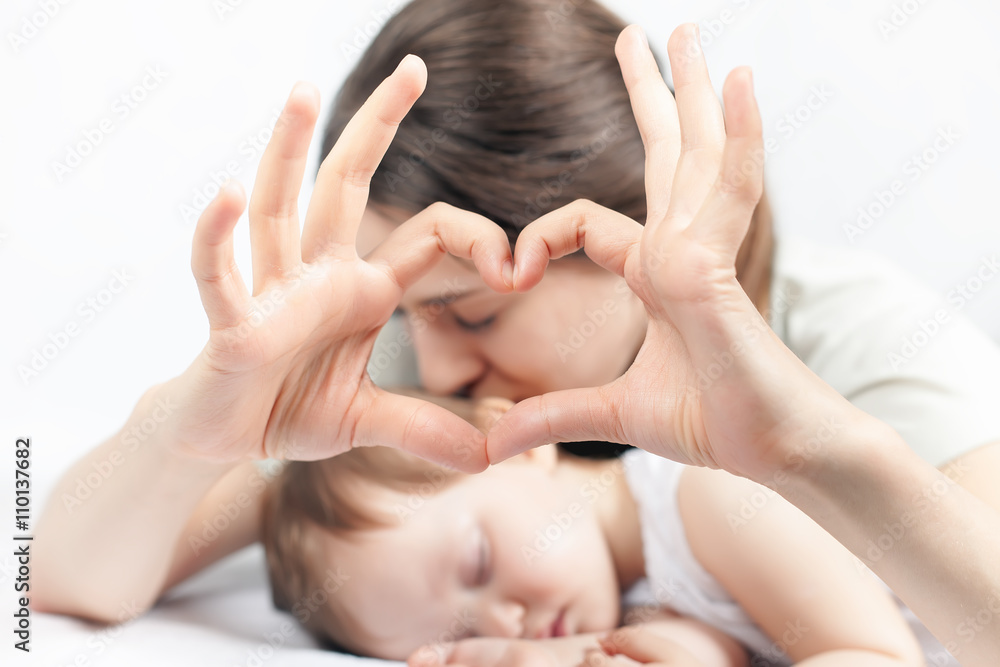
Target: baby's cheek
<point>561,546</point>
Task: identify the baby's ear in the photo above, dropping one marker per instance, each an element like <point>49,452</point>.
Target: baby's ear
<point>545,456</point>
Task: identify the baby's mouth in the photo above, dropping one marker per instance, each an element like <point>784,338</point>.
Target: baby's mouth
<point>558,628</point>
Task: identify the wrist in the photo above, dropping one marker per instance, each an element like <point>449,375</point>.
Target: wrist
<point>150,427</point>
<point>826,451</point>
<point>843,466</point>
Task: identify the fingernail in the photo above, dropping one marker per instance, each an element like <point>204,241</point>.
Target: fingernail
<point>429,655</point>
<point>507,272</point>
<point>408,56</point>
<point>695,38</point>
<point>607,645</point>
<point>513,278</point>
<point>642,37</point>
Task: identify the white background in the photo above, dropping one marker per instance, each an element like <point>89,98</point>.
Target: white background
<point>227,74</point>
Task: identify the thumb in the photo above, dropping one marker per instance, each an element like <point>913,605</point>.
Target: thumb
<point>572,415</point>
<point>645,646</point>
<point>424,429</point>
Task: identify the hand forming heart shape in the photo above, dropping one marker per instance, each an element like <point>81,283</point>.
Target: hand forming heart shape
<point>711,383</point>
<point>293,383</point>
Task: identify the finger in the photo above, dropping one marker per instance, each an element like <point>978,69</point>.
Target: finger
<point>726,213</point>
<point>644,646</point>
<point>703,132</point>
<point>341,191</point>
<point>595,657</point>
<point>572,415</point>
<point>421,428</point>
<point>431,655</point>
<point>479,651</point>
<point>274,217</point>
<point>608,238</point>
<point>418,244</point>
<point>223,292</point>
<point>480,412</point>
<point>656,115</point>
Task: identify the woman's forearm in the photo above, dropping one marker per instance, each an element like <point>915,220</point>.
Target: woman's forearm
<point>934,543</point>
<point>106,539</point>
<point>855,659</point>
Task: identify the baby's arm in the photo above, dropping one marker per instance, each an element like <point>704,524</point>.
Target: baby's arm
<point>798,584</point>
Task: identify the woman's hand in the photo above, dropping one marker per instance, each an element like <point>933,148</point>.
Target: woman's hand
<point>711,384</point>
<point>284,372</point>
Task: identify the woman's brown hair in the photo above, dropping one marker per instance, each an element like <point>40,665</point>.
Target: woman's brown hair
<point>525,110</point>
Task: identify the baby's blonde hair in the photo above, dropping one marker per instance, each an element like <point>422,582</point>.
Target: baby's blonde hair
<point>332,497</point>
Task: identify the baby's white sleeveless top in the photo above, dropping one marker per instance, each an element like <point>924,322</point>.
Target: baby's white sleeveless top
<point>675,578</point>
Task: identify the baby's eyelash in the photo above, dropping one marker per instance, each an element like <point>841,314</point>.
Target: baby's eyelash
<point>483,573</point>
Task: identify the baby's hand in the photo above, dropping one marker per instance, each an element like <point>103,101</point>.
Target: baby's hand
<point>485,652</point>
<point>637,645</point>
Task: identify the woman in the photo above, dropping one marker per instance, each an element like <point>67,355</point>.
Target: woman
<point>534,90</point>
<point>293,384</point>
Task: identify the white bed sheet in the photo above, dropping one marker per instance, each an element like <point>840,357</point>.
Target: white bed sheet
<point>222,617</point>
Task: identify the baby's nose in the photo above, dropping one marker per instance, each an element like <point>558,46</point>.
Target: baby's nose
<point>504,619</point>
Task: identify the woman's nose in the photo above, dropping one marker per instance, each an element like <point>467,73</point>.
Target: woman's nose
<point>447,362</point>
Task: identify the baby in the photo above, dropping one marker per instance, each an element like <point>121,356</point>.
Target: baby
<point>539,551</point>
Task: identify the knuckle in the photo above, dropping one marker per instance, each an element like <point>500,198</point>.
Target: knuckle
<point>356,177</point>
<point>271,211</point>
<point>584,209</point>
<point>703,149</point>
<point>388,121</point>
<point>741,188</point>
<point>346,173</point>
<point>597,658</point>
<point>655,137</point>
<point>439,208</point>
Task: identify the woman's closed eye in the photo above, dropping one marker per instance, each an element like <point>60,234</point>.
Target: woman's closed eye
<point>474,326</point>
